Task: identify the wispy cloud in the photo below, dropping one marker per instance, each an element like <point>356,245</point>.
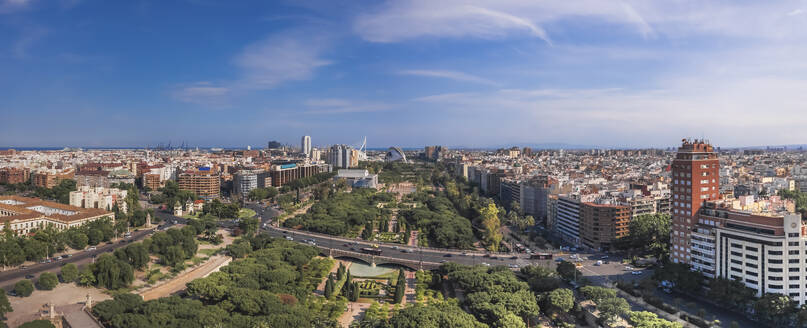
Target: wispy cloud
<point>343,106</point>
<point>265,64</point>
<point>451,75</point>
<point>10,6</point>
<point>401,20</point>
<point>27,40</point>
<point>203,93</point>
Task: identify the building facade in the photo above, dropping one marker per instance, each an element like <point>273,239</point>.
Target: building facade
<point>567,222</point>
<point>695,177</point>
<point>602,224</point>
<point>204,184</point>
<point>22,214</point>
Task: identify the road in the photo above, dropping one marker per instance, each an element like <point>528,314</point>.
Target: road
<point>10,277</point>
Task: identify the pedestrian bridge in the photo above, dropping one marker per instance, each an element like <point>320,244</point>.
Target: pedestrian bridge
<point>375,260</point>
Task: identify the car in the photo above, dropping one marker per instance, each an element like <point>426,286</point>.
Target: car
<point>395,247</point>
<point>92,248</point>
<point>410,251</point>
<point>94,255</point>
<point>289,238</point>
<point>346,245</point>
<point>464,253</point>
<point>628,268</point>
<point>598,263</point>
<point>513,266</point>
<point>559,259</point>
<point>485,264</point>
<point>486,255</point>
<point>42,261</point>
<point>442,261</point>
<point>29,276</point>
<point>636,273</point>
<point>604,257</point>
<point>448,255</point>
<point>22,267</point>
<point>12,293</point>
<point>514,257</point>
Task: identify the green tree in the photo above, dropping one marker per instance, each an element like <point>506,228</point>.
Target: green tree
<point>649,232</point>
<point>612,308</point>
<point>400,287</point>
<point>644,319</point>
<point>249,225</point>
<point>47,281</point>
<point>69,273</point>
<point>775,308</point>
<point>173,256</point>
<point>567,270</point>
<point>329,287</point>
<point>112,273</point>
<point>560,300</point>
<point>24,288</point>
<point>86,277</point>
<point>491,226</point>
<point>5,305</point>
<point>596,293</point>
<point>441,314</point>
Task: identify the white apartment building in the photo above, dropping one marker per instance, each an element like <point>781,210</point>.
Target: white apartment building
<point>767,252</point>
<point>567,220</point>
<point>98,197</point>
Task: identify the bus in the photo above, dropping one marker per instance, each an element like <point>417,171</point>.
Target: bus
<point>541,256</point>
<point>371,251</point>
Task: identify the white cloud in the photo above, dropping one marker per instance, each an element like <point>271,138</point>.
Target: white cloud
<point>400,20</point>
<point>342,106</point>
<point>281,58</point>
<point>263,65</point>
<point>451,75</point>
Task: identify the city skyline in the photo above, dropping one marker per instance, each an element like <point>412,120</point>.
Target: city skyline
<point>407,73</point>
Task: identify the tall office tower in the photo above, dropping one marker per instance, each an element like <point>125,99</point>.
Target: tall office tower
<point>306,146</point>
<point>695,177</point>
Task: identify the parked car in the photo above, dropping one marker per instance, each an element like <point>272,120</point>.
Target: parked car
<point>92,248</point>
<point>289,238</point>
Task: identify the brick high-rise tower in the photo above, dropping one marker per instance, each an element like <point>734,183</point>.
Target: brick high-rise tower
<point>695,179</point>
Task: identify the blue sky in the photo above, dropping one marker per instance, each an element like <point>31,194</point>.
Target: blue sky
<point>408,73</point>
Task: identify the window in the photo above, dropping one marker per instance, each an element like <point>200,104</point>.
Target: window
<point>775,278</point>
<point>793,286</point>
<point>771,286</point>
<point>774,252</point>
<point>751,281</point>
<point>793,261</point>
<point>794,269</point>
<point>793,278</point>
<point>751,265</point>
<point>736,253</point>
<point>750,257</point>
<point>793,252</point>
<point>793,243</point>
<point>774,269</point>
<point>793,234</point>
<point>772,261</point>
<point>749,248</point>
<point>736,270</point>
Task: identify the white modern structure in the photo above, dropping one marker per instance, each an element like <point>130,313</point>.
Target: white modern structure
<point>358,178</point>
<point>305,146</point>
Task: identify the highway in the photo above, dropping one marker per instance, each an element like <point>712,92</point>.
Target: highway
<point>9,277</point>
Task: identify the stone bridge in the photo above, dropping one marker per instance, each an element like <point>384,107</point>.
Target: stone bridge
<point>373,260</point>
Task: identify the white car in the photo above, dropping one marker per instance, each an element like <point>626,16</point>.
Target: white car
<point>289,238</point>
<point>628,268</point>
<point>636,273</point>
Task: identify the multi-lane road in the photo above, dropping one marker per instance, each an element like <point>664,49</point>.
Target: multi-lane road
<point>9,277</point>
